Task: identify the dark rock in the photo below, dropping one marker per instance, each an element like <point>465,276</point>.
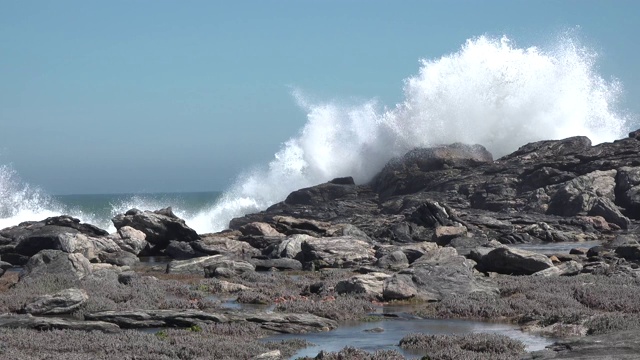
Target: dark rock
<point>160,226</point>
<point>464,245</point>
<point>629,252</point>
<point>513,261</point>
<point>419,169</point>
<point>610,212</point>
<point>597,251</point>
<point>181,250</point>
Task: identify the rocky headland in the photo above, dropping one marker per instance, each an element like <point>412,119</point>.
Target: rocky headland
<point>447,230</point>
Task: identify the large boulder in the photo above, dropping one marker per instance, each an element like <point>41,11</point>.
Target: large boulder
<point>228,268</point>
<point>512,261</point>
<point>62,302</point>
<point>160,226</point>
<point>131,240</point>
<point>419,169</point>
<point>369,284</point>
<point>337,252</point>
<point>628,190</point>
<point>436,274</point>
<point>48,262</point>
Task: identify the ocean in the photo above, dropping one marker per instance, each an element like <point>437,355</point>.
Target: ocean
<point>490,92</point>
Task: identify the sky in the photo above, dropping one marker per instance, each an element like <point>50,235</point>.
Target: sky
<point>154,96</point>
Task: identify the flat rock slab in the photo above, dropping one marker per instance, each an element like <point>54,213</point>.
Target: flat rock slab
<point>62,302</point>
<point>49,323</point>
<point>157,318</point>
<point>279,322</point>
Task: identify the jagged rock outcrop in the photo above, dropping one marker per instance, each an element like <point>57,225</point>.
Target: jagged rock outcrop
<point>160,226</point>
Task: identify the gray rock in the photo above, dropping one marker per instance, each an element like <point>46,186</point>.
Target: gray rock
<point>192,266</point>
<point>444,234</point>
<point>259,229</point>
<point>119,258</point>
<point>292,323</point>
<point>28,321</point>
<point>609,211</point>
<point>56,262</point>
<point>399,287</point>
<point>396,260</point>
<point>62,302</point>
<point>513,261</point>
<point>133,319</point>
<point>213,245</point>
<point>369,284</point>
<point>280,264</point>
<point>131,240</point>
<point>160,226</point>
<point>291,247</point>
<point>568,268</point>
<point>337,252</point>
<point>181,250</point>
<point>227,268</point>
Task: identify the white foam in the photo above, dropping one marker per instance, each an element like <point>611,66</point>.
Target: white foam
<point>489,92</point>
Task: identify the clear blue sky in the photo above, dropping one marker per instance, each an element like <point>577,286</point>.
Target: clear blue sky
<point>128,96</point>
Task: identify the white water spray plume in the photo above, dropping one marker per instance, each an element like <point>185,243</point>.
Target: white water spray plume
<point>489,92</point>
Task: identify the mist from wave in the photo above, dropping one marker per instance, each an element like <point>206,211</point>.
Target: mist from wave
<point>490,92</point>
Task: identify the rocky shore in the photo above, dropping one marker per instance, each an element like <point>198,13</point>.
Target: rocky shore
<point>440,229</point>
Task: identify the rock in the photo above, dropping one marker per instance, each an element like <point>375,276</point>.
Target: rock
<point>610,212</point>
<point>629,252</point>
<point>369,284</point>
<point>578,251</point>
<point>444,234</point>
<point>134,319</point>
<point>160,226</point>
<point>396,260</point>
<point>192,266</point>
<point>270,355</point>
<point>62,302</point>
<point>291,247</point>
<point>568,268</point>
<point>628,190</point>
<point>417,169</point>
<point>323,193</point>
<point>181,250</point>
<point>513,261</point>
<point>280,264</point>
<point>56,262</point>
<point>464,245</point>
<point>131,240</point>
<point>337,252</point>
<point>597,251</point>
<point>289,323</point>
<point>120,258</point>
<point>227,268</point>
<point>213,245</point>
<point>439,273</point>
<point>28,321</point>
<point>259,229</point>
<point>399,287</point>
<point>578,196</point>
